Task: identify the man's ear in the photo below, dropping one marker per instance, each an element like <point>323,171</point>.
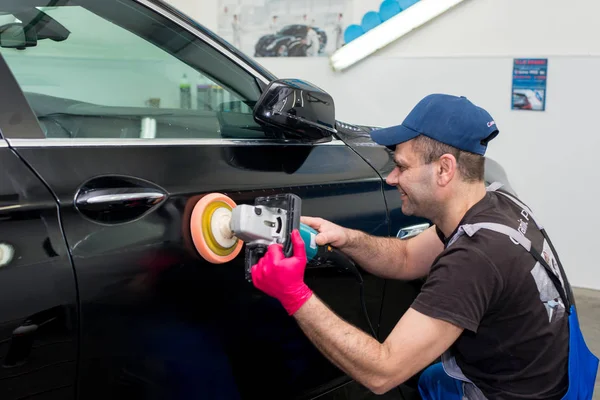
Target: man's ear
<point>446,169</point>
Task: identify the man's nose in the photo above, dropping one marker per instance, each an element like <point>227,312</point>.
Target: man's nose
<point>392,178</point>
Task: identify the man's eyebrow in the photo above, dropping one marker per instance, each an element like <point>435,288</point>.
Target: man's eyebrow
<point>399,162</point>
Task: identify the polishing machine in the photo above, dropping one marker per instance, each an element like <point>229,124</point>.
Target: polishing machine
<point>219,227</point>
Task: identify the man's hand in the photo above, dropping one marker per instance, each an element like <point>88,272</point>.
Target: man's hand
<point>281,277</point>
<point>329,233</point>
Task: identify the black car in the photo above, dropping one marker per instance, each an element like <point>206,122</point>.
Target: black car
<point>288,42</point>
<point>102,294</point>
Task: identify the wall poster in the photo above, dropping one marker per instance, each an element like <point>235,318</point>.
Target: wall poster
<point>284,28</point>
<point>529,84</point>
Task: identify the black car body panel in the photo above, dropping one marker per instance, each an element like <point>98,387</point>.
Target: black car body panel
<point>143,289</point>
<point>133,311</point>
<point>150,307</point>
<point>38,312</point>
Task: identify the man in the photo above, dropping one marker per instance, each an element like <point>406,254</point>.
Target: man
<point>339,32</point>
<point>274,25</point>
<point>487,307</point>
<point>313,42</point>
<point>236,29</point>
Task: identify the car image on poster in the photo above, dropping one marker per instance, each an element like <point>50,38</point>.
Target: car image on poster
<point>284,28</point>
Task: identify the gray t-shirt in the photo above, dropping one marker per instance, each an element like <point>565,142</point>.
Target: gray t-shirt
<point>516,338</point>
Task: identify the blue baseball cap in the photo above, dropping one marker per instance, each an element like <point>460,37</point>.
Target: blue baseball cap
<point>449,119</point>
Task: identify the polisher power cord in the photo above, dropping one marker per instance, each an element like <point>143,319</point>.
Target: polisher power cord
<point>347,264</point>
<point>364,308</point>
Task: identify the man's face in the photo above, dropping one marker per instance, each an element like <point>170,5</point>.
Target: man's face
<point>415,182</point>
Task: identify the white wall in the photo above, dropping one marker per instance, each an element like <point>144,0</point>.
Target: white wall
<point>549,156</point>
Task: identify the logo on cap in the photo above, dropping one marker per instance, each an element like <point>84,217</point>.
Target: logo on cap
<point>491,123</point>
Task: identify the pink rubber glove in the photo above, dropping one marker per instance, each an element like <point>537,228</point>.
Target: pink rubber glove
<point>281,277</point>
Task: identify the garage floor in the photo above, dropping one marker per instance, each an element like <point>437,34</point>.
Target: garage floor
<point>588,304</point>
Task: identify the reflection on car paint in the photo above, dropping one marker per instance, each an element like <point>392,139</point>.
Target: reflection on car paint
<point>7,252</point>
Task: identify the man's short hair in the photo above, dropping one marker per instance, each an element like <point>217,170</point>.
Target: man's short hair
<point>471,166</point>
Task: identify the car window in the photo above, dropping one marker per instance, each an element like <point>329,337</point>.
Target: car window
<point>115,69</point>
<point>294,30</point>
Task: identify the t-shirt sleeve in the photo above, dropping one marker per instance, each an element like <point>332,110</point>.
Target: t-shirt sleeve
<point>461,286</point>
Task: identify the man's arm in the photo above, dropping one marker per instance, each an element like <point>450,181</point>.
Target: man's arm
<point>416,341</point>
<point>382,256</point>
<point>394,258</point>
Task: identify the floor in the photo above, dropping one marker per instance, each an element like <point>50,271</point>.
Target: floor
<point>588,304</point>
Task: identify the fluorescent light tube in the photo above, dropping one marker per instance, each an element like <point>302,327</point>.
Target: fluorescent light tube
<point>389,31</point>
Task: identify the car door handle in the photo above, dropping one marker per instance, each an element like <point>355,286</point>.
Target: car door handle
<point>119,196</point>
<point>412,231</point>
<point>117,205</point>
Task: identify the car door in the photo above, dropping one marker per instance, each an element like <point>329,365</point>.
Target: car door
<point>112,110</point>
<point>38,296</point>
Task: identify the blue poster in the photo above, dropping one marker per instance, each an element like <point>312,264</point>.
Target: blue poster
<point>529,84</point>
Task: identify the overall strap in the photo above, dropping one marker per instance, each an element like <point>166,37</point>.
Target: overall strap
<point>497,185</point>
<point>518,237</point>
<point>493,187</point>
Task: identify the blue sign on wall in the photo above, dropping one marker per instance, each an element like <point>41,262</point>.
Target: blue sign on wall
<point>529,84</point>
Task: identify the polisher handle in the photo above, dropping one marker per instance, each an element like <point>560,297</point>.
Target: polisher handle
<point>254,252</point>
<point>292,204</point>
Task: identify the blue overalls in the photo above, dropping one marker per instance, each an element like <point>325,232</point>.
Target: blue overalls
<point>445,380</point>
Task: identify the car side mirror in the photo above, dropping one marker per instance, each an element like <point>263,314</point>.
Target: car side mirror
<point>298,108</point>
